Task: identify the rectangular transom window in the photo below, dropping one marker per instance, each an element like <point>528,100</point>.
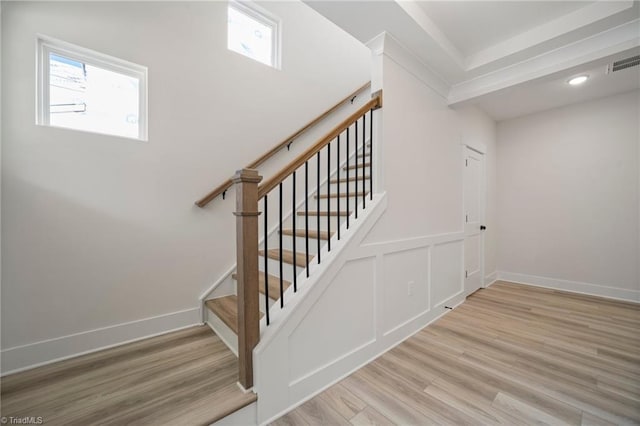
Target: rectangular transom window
<point>253,33</point>
<point>85,90</point>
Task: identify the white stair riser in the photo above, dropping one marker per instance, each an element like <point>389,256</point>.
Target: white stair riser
<point>223,331</point>
<point>351,185</point>
<point>274,268</point>
<point>313,222</point>
<point>333,202</point>
<point>287,244</point>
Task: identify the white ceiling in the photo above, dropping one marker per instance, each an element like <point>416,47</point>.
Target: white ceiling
<point>509,57</point>
<point>475,25</point>
<point>552,91</point>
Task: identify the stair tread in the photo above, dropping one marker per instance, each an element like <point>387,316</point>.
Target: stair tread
<point>324,213</point>
<point>274,285</point>
<point>351,179</point>
<point>343,194</point>
<point>226,308</point>
<point>324,235</point>
<point>356,166</point>
<point>287,256</point>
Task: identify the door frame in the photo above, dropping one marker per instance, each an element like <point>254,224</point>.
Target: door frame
<point>481,149</point>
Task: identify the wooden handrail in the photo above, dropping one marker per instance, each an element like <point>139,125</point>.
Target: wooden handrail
<point>267,186</point>
<point>224,186</point>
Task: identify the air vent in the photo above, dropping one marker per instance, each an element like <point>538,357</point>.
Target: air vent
<point>633,61</point>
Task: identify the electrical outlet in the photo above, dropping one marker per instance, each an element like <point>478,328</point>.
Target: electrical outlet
<point>410,288</point>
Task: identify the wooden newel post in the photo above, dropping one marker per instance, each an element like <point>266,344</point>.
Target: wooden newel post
<point>246,183</point>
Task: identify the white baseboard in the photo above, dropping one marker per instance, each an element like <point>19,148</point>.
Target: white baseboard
<point>36,354</point>
<point>572,286</point>
<point>490,279</point>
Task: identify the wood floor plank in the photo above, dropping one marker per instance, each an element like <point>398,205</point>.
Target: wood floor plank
<point>185,377</point>
<point>318,411</point>
<point>292,418</point>
<point>370,417</point>
<point>524,411</point>
<point>511,354</point>
<point>343,401</point>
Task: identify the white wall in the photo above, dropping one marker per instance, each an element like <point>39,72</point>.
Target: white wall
<point>101,241</point>
<point>360,305</point>
<point>568,197</point>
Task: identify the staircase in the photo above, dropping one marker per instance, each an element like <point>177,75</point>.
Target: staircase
<point>287,227</point>
<point>323,223</point>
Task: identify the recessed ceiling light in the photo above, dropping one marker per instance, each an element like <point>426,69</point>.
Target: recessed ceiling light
<point>578,80</point>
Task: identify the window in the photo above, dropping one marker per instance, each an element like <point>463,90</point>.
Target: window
<point>85,90</point>
<point>253,33</point>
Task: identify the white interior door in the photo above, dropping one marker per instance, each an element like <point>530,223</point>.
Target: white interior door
<point>473,220</point>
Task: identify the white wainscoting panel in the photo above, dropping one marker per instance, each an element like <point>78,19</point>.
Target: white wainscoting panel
<point>355,308</point>
<point>401,300</point>
<point>334,326</point>
<point>447,271</point>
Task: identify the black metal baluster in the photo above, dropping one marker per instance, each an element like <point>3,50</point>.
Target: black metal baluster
<point>328,198</point>
<point>371,154</point>
<point>281,271</point>
<point>295,254</point>
<point>364,168</point>
<point>266,260</point>
<point>338,179</point>
<point>306,214</point>
<point>318,205</point>
<point>355,194</point>
<point>348,183</point>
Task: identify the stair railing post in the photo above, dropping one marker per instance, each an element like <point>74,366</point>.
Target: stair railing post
<point>246,182</point>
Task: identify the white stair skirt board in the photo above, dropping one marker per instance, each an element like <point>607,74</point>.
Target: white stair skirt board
<point>36,354</point>
<point>572,286</point>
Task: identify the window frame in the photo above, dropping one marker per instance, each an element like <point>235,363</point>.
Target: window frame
<point>266,18</point>
<point>46,45</point>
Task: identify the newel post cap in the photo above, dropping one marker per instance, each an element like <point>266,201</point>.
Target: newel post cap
<point>247,175</point>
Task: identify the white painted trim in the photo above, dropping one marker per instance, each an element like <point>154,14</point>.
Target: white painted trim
<point>356,368</point>
<point>46,45</point>
<point>606,43</point>
<point>386,247</point>
<point>327,364</point>
<point>571,286</point>
<point>25,357</point>
<point>490,279</point>
<point>549,30</point>
<point>480,149</point>
<point>416,13</point>
<point>258,13</point>
<point>215,285</point>
<point>376,45</point>
<point>405,58</point>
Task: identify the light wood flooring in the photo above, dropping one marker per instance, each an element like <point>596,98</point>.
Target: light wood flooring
<point>511,354</point>
<point>182,378</point>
